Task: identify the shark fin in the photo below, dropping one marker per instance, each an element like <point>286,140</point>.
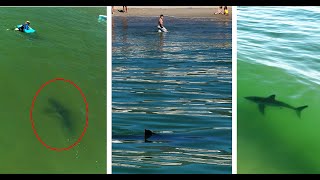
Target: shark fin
<point>299,109</point>
<point>148,134</point>
<point>273,96</point>
<point>261,108</point>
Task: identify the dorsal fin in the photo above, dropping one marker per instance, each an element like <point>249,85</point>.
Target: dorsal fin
<point>273,96</point>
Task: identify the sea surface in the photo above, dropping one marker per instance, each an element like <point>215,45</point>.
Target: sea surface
<point>69,43</point>
<point>176,84</point>
<point>278,53</point>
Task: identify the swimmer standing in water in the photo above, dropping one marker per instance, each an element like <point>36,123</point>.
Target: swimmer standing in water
<point>161,28</point>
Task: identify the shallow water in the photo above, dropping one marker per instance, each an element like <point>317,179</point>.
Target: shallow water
<point>69,43</point>
<point>278,54</point>
<point>177,84</point>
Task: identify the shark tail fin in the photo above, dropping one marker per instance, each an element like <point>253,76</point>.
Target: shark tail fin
<point>299,109</point>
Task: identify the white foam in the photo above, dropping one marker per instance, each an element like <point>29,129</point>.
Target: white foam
<point>166,132</point>
<point>117,141</point>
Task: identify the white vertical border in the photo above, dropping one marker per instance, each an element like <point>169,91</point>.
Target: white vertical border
<point>234,89</point>
<point>109,90</point>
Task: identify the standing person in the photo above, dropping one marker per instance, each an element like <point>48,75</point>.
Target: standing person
<point>226,12</point>
<point>125,9</point>
<point>161,27</point>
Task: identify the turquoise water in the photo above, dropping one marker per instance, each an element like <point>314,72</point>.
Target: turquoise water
<point>177,84</point>
<point>278,54</point>
<point>69,43</point>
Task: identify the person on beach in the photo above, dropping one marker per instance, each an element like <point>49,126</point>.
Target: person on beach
<point>125,9</point>
<point>226,12</point>
<point>219,10</point>
<point>160,24</point>
<point>24,26</point>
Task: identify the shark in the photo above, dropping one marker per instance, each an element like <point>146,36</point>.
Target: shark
<point>60,112</point>
<point>149,136</point>
<point>271,101</point>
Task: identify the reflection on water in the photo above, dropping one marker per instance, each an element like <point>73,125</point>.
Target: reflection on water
<point>170,157</point>
<point>177,84</point>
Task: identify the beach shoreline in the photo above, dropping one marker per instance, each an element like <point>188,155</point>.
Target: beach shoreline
<point>175,11</point>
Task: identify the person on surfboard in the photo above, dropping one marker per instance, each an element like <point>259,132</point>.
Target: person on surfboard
<point>160,24</point>
<point>24,26</point>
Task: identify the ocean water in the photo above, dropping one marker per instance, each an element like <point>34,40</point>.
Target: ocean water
<point>69,43</point>
<point>177,84</point>
<point>278,53</point>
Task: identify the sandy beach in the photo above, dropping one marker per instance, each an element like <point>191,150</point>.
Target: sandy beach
<point>177,11</point>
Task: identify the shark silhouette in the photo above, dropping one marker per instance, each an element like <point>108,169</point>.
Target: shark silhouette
<point>148,134</point>
<point>271,101</point>
<point>61,112</point>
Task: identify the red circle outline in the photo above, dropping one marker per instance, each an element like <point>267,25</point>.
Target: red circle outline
<point>87,119</point>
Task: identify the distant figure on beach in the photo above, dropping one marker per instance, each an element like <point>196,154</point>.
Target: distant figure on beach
<point>226,12</point>
<point>24,26</point>
<point>125,9</point>
<point>219,10</point>
<point>161,27</point>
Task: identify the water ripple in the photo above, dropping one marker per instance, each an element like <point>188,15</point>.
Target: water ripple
<point>178,82</point>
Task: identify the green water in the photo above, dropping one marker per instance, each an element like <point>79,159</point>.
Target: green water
<point>69,43</point>
<point>278,54</point>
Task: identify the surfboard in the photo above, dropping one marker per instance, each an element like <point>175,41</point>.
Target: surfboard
<point>163,29</point>
<point>30,30</point>
<point>102,18</point>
